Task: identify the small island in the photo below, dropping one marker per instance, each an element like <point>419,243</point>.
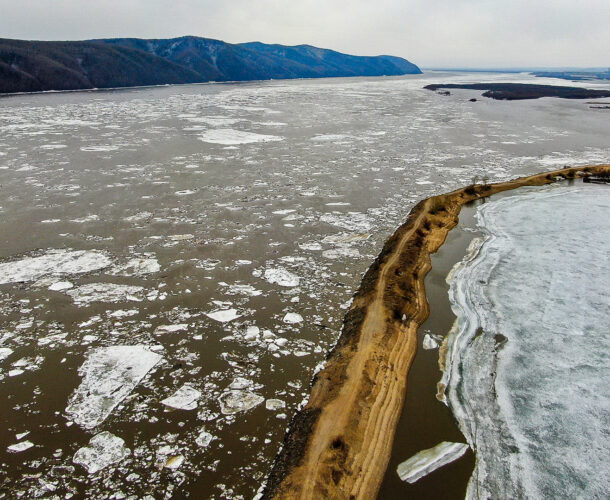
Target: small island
<point>519,91</point>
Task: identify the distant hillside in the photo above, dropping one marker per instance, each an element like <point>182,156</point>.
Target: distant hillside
<point>28,66</point>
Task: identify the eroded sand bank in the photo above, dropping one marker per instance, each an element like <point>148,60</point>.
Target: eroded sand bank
<point>338,445</point>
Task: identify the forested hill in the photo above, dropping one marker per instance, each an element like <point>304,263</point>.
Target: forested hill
<point>29,66</point>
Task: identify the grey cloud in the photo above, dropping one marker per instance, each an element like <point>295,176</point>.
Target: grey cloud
<point>428,32</point>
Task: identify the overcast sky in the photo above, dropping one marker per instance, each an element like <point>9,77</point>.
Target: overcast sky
<point>430,33</point>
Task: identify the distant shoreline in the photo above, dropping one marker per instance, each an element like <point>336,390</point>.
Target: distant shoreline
<point>338,445</point>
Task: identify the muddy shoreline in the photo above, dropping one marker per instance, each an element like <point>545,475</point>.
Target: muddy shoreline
<point>338,445</point>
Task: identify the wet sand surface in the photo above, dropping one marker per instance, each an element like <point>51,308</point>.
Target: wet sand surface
<point>209,220</point>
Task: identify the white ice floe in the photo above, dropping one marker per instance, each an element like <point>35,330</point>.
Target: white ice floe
<point>185,398</point>
<point>215,121</point>
<point>86,218</point>
<point>181,237</point>
<point>275,404</point>
<point>345,238</point>
<point>123,313</point>
<point>252,333</point>
<point>341,252</point>
<point>229,136</point>
<point>101,148</point>
<point>53,263</point>
<point>163,329</point>
<point>236,401</point>
<point>104,449</point>
<point>332,138</point>
<point>311,246</point>
<point>352,221</point>
<point>282,277</point>
<point>426,461</point>
<point>137,267</point>
<point>223,316</point>
<point>204,439</point>
<point>105,292</point>
<point>109,375</point>
<point>240,289</point>
<point>59,286</point>
<point>292,318</point>
<point>429,342</point>
<point>5,352</point>
<point>19,447</point>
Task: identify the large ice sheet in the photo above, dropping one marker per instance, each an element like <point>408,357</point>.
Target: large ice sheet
<point>53,263</point>
<point>528,357</point>
<point>109,375</point>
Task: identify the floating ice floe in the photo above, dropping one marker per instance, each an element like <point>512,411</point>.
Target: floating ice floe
<point>109,375</point>
<point>105,292</point>
<point>139,217</point>
<point>341,252</point>
<point>5,352</point>
<point>252,333</point>
<point>429,342</point>
<point>138,266</point>
<point>312,246</point>
<point>223,316</point>
<point>204,439</point>
<point>235,401</point>
<point>282,277</point>
<point>292,318</point>
<point>239,289</point>
<point>229,136</point>
<point>426,461</point>
<point>332,138</point>
<point>163,329</point>
<point>19,447</point>
<point>86,218</point>
<point>58,286</point>
<point>345,238</point>
<point>104,449</point>
<point>185,398</point>
<point>53,263</point>
<point>352,221</point>
<point>181,237</point>
<point>275,404</point>
<point>99,148</point>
